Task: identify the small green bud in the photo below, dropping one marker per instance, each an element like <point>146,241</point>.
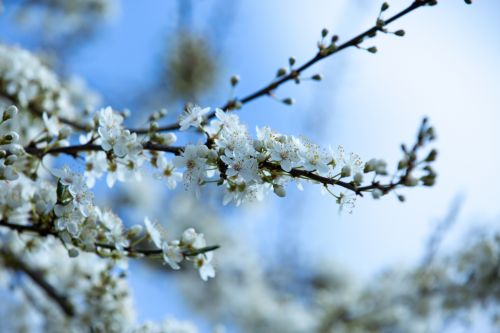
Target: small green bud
<point>432,156</point>
<point>281,72</point>
<point>317,77</point>
<point>429,180</point>
<point>469,2</point>
<point>291,61</point>
<point>345,171</point>
<point>279,190</point>
<point>372,49</point>
<point>134,231</point>
<point>335,39</point>
<point>400,33</point>
<point>411,181</point>
<point>384,7</point>
<point>73,253</point>
<point>377,193</point>
<point>358,178</point>
<point>324,32</point>
<point>153,127</point>
<point>234,80</point>
<point>238,105</point>
<point>289,101</point>
<point>401,198</point>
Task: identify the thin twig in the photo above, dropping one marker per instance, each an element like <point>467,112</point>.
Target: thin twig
<point>130,251</point>
<point>231,105</point>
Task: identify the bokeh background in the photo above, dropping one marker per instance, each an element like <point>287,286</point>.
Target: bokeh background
<point>145,55</point>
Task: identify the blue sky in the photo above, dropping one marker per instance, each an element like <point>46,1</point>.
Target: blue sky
<point>446,67</point>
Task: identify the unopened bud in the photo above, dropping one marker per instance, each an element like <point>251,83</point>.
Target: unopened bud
<point>324,32</point>
<point>134,231</point>
<point>317,77</point>
<point>64,132</point>
<point>345,171</point>
<point>384,7</point>
<point>234,80</point>
<point>279,190</point>
<point>372,49</point>
<point>281,72</point>
<point>73,253</point>
<point>358,178</point>
<point>10,112</point>
<point>400,33</point>
<point>153,127</point>
<point>432,156</point>
<point>291,61</point>
<point>289,101</point>
<point>411,181</point>
<point>377,193</point>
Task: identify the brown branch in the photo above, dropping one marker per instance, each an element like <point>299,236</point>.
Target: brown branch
<point>267,90</point>
<point>74,150</point>
<point>231,105</point>
<point>131,252</point>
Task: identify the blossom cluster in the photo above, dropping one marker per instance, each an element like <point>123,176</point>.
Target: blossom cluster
<point>28,82</point>
<point>93,294</point>
<point>247,168</point>
<point>174,251</point>
<point>69,213</point>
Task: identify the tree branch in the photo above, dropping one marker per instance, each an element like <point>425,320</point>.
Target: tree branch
<point>231,105</point>
<point>131,251</point>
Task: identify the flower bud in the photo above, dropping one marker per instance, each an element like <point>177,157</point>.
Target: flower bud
<point>432,156</point>
<point>400,33</point>
<point>281,72</point>
<point>317,77</point>
<point>134,231</point>
<point>234,80</point>
<point>64,132</point>
<point>73,253</point>
<point>289,101</point>
<point>279,190</point>
<point>10,112</point>
<point>345,171</point>
<point>411,181</point>
<point>358,178</point>
<point>377,193</point>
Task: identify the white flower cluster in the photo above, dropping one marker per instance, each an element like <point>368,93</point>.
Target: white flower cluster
<point>127,154</point>
<point>249,167</point>
<point>122,154</point>
<point>173,251</point>
<point>68,211</point>
<point>27,82</point>
<point>98,297</point>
